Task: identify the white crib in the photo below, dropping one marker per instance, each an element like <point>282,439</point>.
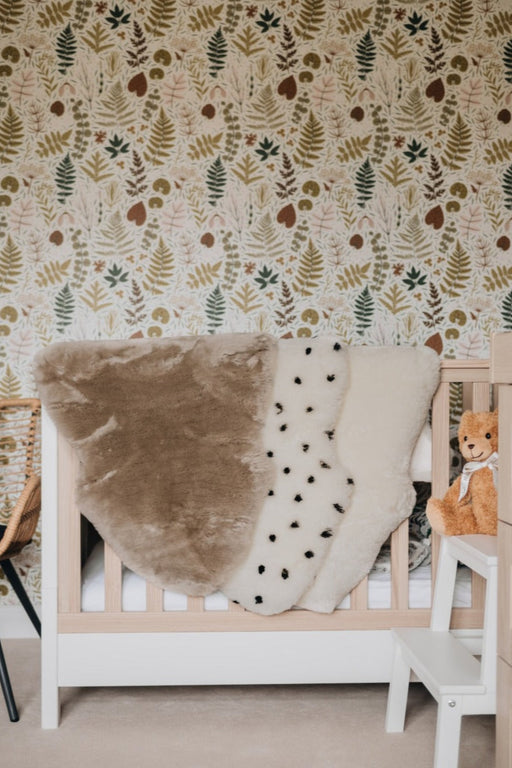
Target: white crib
<point>114,645</point>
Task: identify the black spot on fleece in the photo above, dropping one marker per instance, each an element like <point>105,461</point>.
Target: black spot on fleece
<point>310,491</point>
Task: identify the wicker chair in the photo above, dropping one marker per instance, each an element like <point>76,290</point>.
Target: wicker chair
<point>20,503</point>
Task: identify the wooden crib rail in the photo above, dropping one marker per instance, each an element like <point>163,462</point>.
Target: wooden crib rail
<point>472,374</point>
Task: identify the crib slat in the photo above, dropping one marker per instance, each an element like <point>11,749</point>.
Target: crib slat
<point>400,567</point>
<point>154,598</point>
<point>113,581</point>
<point>359,596</point>
<point>195,604</point>
<point>441,440</point>
<point>69,531</point>
<point>440,455</point>
<point>480,397</point>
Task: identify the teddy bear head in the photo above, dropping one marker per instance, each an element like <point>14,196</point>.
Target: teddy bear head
<point>478,435</point>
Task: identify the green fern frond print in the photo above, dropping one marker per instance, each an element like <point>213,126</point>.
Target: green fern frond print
<point>507,61</point>
<point>216,51</point>
<point>216,178</point>
<point>215,309</point>
<point>66,49</point>
<point>65,177</point>
<point>365,182</point>
<point>507,187</point>
<point>365,56</point>
<point>364,309</point>
<point>64,308</point>
<point>506,312</point>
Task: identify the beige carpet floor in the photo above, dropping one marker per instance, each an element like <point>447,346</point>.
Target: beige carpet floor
<point>332,726</point>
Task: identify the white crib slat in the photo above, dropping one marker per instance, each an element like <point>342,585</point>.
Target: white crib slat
<point>113,581</point>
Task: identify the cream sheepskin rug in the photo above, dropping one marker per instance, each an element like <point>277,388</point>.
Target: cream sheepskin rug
<point>382,417</point>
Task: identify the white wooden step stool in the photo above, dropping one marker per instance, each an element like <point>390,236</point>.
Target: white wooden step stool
<point>459,683</point>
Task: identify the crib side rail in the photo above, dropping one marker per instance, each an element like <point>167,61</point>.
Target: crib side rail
<point>474,376</point>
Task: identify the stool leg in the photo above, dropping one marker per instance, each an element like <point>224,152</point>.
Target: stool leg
<point>7,690</point>
<point>398,691</point>
<point>449,716</point>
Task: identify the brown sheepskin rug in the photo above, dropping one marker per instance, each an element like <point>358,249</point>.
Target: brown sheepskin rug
<point>173,472</point>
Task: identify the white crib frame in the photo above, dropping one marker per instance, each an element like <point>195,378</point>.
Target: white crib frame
<point>233,647</point>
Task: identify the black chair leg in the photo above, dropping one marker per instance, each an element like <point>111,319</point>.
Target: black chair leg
<point>18,587</point>
<point>7,690</point>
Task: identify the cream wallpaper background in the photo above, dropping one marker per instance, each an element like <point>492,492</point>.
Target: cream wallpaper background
<point>297,167</point>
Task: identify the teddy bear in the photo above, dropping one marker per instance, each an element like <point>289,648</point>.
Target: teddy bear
<point>471,503</point>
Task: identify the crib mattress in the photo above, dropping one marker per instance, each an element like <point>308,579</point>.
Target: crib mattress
<point>379,591</point>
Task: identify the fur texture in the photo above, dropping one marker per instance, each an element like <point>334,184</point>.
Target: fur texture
<point>169,435</point>
<point>181,441</point>
<point>310,494</point>
<point>382,416</point>
<point>477,510</point>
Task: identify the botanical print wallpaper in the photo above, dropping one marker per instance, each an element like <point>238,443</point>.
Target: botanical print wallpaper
<point>291,166</point>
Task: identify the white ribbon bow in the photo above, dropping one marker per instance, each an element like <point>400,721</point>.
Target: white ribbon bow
<point>473,466</point>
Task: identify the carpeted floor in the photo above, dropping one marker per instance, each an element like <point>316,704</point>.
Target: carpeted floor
<point>254,727</point>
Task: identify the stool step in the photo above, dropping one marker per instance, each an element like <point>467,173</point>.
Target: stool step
<point>442,663</point>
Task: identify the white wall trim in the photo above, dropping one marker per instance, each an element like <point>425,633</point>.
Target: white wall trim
<point>14,623</point>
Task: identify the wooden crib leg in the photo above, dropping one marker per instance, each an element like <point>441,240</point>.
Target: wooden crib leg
<point>398,691</point>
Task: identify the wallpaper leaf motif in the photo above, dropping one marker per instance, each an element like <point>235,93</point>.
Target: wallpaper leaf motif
<point>11,12</point>
<point>11,136</point>
<point>216,50</point>
<point>66,49</point>
<point>459,18</point>
<point>11,263</point>
<point>366,53</point>
<point>296,167</point>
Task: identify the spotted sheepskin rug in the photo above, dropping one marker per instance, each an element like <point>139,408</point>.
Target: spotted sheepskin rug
<point>271,470</point>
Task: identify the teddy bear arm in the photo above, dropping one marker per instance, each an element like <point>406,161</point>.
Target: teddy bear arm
<point>451,497</point>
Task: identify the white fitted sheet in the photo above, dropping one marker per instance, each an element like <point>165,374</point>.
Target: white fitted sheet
<point>134,589</point>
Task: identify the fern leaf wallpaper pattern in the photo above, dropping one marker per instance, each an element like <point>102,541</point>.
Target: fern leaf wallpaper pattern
<point>292,166</point>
